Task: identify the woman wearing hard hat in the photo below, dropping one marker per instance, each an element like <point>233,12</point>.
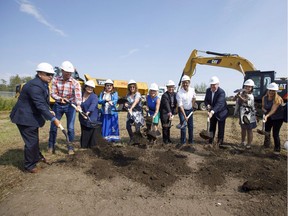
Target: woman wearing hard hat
<point>135,114</point>
<point>247,117</point>
<point>153,104</point>
<point>108,99</point>
<point>272,107</point>
<point>30,113</point>
<point>89,106</point>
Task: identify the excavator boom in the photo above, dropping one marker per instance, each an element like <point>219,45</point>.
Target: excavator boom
<point>231,61</point>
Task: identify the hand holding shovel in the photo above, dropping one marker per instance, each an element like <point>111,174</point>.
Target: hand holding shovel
<point>180,126</point>
<point>206,134</point>
<point>263,132</point>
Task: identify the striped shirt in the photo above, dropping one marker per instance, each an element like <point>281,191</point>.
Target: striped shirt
<point>69,89</point>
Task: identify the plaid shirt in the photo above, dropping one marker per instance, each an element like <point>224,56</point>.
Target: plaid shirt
<point>69,89</point>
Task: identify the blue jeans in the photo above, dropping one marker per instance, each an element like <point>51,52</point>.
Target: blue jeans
<point>190,127</point>
<point>70,113</point>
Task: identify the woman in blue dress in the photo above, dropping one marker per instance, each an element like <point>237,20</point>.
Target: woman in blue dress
<point>108,99</point>
<point>153,104</point>
<point>89,106</point>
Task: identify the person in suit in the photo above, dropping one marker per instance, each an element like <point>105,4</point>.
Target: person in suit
<point>168,108</point>
<point>215,101</point>
<point>30,113</point>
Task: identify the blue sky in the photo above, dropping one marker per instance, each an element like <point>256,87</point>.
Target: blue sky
<point>148,40</point>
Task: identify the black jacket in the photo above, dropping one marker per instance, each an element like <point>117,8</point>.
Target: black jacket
<point>32,107</point>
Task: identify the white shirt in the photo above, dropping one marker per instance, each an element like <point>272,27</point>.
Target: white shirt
<point>184,98</point>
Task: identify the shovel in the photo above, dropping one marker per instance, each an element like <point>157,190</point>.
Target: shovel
<point>263,132</point>
<point>65,134</point>
<point>206,134</point>
<point>93,124</point>
<point>80,111</point>
<point>184,124</point>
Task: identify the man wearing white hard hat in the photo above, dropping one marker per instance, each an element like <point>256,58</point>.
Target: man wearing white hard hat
<point>215,101</point>
<point>30,113</point>
<point>274,113</point>
<point>65,90</point>
<point>168,106</point>
<point>186,98</point>
<point>109,116</point>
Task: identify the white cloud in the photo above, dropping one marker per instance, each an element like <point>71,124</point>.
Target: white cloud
<point>29,8</point>
<point>131,52</point>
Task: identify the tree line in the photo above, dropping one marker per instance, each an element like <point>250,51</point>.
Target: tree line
<point>13,81</point>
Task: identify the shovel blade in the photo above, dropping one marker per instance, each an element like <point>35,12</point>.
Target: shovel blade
<point>262,132</point>
<point>204,134</point>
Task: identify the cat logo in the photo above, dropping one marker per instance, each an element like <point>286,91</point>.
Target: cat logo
<point>100,82</point>
<point>282,86</point>
<point>214,61</point>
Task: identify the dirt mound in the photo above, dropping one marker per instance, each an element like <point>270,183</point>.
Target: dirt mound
<point>261,173</point>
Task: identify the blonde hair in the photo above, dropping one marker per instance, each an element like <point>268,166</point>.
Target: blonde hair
<point>277,99</point>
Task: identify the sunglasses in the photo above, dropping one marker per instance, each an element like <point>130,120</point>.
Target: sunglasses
<point>48,74</point>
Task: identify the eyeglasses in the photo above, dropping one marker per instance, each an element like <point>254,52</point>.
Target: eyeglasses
<point>48,74</point>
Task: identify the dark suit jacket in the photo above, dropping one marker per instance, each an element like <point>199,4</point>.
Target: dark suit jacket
<point>32,107</point>
<point>218,105</point>
<point>165,104</point>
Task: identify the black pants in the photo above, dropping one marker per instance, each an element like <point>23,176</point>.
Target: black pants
<point>276,125</point>
<point>221,128</point>
<point>88,137</point>
<point>32,154</point>
<point>165,128</point>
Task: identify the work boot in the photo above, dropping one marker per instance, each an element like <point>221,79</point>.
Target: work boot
<point>267,141</point>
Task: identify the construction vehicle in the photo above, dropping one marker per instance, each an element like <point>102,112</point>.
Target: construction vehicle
<point>233,61</point>
<point>119,85</point>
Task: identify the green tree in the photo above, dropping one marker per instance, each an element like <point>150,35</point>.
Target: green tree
<point>200,88</point>
<point>3,85</point>
<point>16,80</point>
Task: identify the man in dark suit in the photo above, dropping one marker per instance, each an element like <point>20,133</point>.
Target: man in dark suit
<point>30,113</point>
<point>215,101</point>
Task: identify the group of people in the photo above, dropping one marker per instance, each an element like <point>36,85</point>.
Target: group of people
<point>32,109</point>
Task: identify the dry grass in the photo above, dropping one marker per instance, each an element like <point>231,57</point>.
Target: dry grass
<point>11,144</point>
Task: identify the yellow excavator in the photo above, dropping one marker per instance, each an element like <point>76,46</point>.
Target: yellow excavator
<point>244,66</point>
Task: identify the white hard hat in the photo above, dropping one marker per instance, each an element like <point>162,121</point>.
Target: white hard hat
<point>185,78</point>
<point>90,83</point>
<point>154,87</point>
<point>108,81</point>
<point>67,66</point>
<point>170,83</point>
<point>273,86</point>
<point>249,82</point>
<point>214,80</point>
<point>45,67</point>
<point>286,145</point>
<point>131,82</point>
